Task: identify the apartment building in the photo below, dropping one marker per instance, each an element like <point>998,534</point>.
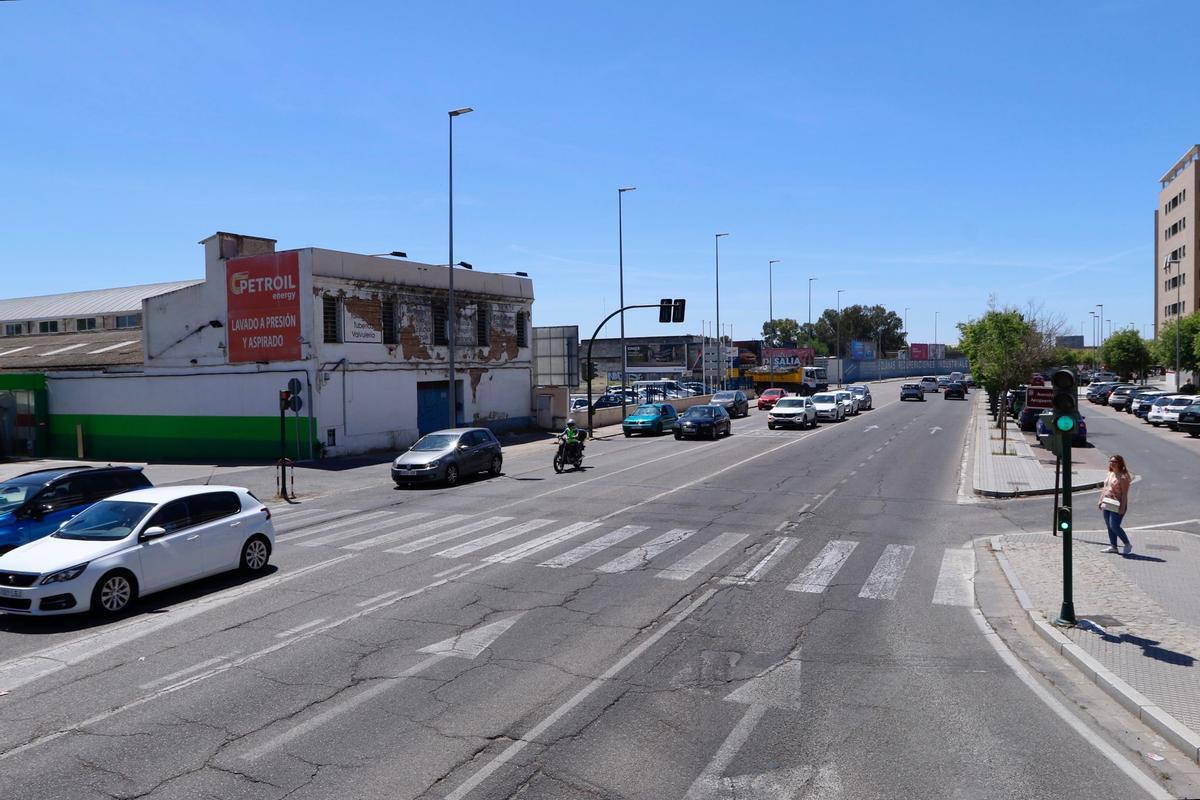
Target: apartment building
<point>1176,239</point>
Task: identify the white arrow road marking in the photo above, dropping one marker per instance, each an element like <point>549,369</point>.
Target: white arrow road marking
<point>870,428</point>
<point>467,645</point>
<point>934,429</point>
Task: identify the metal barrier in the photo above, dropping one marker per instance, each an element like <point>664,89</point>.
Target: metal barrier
<point>281,479</point>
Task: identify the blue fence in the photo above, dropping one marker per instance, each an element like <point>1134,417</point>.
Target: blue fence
<point>856,371</point>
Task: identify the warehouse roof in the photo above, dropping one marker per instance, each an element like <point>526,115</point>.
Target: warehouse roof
<point>84,350</point>
<point>93,301</point>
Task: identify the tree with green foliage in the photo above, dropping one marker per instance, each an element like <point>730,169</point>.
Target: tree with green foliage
<point>781,332</point>
<point>1126,353</point>
<point>1002,348</point>
<point>1163,349</point>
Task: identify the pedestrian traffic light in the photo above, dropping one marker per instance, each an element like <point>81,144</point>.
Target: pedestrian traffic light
<point>666,307</point>
<point>1063,520</point>
<point>677,311</point>
<point>1064,401</point>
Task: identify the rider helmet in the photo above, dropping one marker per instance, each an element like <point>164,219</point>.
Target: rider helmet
<point>570,423</point>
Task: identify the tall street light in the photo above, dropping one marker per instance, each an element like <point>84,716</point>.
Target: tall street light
<point>838,352</point>
<point>621,268</point>
<point>451,321</point>
<point>906,324</point>
<point>1101,338</point>
<point>935,349</point>
<point>810,280</point>
<point>771,307</point>
<point>1095,343</point>
<point>717,264</point>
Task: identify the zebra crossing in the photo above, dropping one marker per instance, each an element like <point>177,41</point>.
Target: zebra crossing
<point>674,555</point>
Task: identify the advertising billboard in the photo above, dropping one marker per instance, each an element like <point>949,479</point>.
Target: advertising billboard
<point>787,359</point>
<point>862,350</point>
<point>262,298</point>
<point>668,357</point>
<point>749,354</point>
<point>918,352</point>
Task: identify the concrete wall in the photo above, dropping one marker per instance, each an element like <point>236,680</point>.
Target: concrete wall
<point>612,416</point>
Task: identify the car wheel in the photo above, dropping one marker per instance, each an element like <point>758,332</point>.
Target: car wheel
<point>114,593</point>
<point>451,475</point>
<point>497,465</point>
<point>729,429</point>
<point>628,434</point>
<point>770,426</point>
<point>678,436</point>
<point>256,552</point>
<point>659,430</point>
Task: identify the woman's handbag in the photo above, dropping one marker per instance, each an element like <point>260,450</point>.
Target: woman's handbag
<point>1110,504</point>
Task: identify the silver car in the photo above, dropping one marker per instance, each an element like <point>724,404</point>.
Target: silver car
<point>448,455</point>
<point>863,393</point>
<point>849,400</point>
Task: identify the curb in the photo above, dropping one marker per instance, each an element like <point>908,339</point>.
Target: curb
<point>1079,487</point>
<point>1136,703</point>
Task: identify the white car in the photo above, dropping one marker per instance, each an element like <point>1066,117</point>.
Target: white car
<point>1166,409</point>
<point>929,384</point>
<point>850,401</point>
<point>863,393</point>
<point>787,411</point>
<point>136,543</point>
<point>829,407</point>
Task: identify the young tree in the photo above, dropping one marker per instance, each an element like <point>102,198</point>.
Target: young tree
<point>1163,350</point>
<point>1126,353</point>
<point>1002,348</point>
<point>781,332</point>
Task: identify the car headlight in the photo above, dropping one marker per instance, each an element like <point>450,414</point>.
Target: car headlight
<point>68,574</point>
<point>437,462</point>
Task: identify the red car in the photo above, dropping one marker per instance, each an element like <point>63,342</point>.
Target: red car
<point>767,399</point>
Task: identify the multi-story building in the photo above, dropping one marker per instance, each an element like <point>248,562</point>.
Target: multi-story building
<point>1176,238</point>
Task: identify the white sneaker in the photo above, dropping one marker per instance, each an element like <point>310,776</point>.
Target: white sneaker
<point>1128,549</point>
<point>1109,550</point>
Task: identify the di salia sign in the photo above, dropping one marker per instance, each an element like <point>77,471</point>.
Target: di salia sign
<point>263,300</point>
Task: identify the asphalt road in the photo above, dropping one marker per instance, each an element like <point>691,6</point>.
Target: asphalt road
<point>778,614</point>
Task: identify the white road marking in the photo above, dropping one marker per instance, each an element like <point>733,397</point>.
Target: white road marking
<point>188,670</point>
<point>373,600</point>
<point>869,457</point>
<point>593,547</point>
<point>70,347</point>
<point>781,526</point>
<point>320,519</point>
<point>749,573</point>
<point>701,557</point>
<point>541,543</point>
<point>955,583</point>
<point>325,527</point>
<point>823,498</point>
<point>804,508</point>
<point>819,573</point>
<point>293,631</point>
<point>26,347</point>
<point>640,556</point>
<point>456,571</point>
<point>729,748</point>
<point>415,530</point>
<point>534,733</point>
<point>446,536</point>
<point>466,548</point>
<point>119,345</point>
<point>25,669</point>
<point>884,580</point>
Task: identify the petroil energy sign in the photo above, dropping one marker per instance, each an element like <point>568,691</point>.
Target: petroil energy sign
<point>263,299</point>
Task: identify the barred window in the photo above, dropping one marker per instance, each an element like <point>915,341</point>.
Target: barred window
<point>387,318</point>
<point>522,335</point>
<point>482,328</point>
<point>48,327</point>
<point>440,331</point>
<point>85,324</point>
<point>331,321</point>
<point>129,321</point>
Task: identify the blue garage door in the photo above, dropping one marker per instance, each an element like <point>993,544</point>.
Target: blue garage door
<point>432,401</point>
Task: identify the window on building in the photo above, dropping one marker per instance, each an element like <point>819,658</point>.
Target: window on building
<point>482,326</point>
<point>387,318</point>
<point>48,326</point>
<point>440,330</point>
<point>85,324</point>
<point>129,321</point>
<point>14,328</point>
<point>330,319</point>
<point>522,335</point>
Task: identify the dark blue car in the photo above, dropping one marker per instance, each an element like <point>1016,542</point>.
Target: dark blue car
<point>34,504</point>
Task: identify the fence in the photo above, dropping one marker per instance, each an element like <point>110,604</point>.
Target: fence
<point>858,371</point>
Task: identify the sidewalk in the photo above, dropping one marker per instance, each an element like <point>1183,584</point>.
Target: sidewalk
<point>1027,468</point>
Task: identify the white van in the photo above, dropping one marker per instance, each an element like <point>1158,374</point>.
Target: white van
<point>929,384</point>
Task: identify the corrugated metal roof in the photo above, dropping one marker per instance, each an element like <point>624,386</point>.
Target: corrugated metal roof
<point>78,304</point>
<point>87,350</point>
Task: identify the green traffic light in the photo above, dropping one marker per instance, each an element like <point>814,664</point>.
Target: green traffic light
<point>1065,424</point>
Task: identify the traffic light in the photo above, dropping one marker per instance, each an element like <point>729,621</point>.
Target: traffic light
<point>1062,523</point>
<point>677,311</point>
<point>665,307</point>
<point>1064,401</point>
<point>284,397</point>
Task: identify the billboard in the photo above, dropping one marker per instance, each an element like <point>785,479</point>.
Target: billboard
<point>918,352</point>
<point>667,357</point>
<point>749,354</point>
<point>787,359</point>
<point>1075,342</point>
<point>862,350</point>
<point>262,299</point>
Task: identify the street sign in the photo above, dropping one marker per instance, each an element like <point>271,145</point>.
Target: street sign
<point>294,386</point>
<point>295,403</point>
<point>1039,397</point>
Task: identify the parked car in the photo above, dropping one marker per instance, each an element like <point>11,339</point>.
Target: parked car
<point>1189,418</point>
<point>1045,420</point>
<point>657,418</point>
<point>34,504</point>
<point>135,543</point>
<point>955,390</point>
<point>447,455</point>
<point>1037,379</point>
<point>769,396</point>
<point>1119,398</point>
<point>1168,412</point>
<point>849,400</point>
<point>578,404</point>
<point>1135,395</point>
<point>734,401</point>
<point>696,388</point>
<point>708,421</point>
<point>1105,394</point>
<point>1141,404</point>
<point>863,393</point>
<point>828,407</point>
<point>912,391</point>
<point>929,384</point>
<point>607,401</point>
<point>1098,388</point>
<point>1027,419</point>
<point>793,411</point>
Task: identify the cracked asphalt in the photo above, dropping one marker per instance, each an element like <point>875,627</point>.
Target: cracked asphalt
<point>605,684</point>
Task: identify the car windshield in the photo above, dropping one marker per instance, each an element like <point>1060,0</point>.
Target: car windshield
<point>14,494</point>
<point>789,402</point>
<point>106,520</point>
<point>436,441</point>
<point>857,390</point>
<point>700,411</point>
<point>824,398</point>
<point>910,386</point>
<point>724,396</point>
<point>1181,401</point>
<point>652,410</point>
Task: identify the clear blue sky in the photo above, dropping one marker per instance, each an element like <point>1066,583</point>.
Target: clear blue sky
<point>920,154</point>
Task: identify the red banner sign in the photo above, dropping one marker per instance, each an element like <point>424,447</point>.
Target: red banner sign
<point>1039,397</point>
<point>918,352</point>
<point>263,301</point>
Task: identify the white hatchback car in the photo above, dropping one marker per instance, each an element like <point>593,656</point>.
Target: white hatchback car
<point>929,384</point>
<point>828,407</point>
<point>848,399</point>
<point>136,543</point>
<point>1165,410</point>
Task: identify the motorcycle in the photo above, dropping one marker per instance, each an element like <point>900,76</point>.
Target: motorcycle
<point>568,453</point>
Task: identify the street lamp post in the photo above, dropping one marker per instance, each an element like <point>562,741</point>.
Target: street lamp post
<point>838,351</point>
<point>1101,339</point>
<point>621,269</point>
<point>717,268</point>
<point>935,321</point>
<point>451,322</point>
<point>810,280</point>
<point>771,308</point>
<point>1167,262</point>
<point>1095,344</point>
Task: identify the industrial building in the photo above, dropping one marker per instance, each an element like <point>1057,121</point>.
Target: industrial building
<point>193,370</point>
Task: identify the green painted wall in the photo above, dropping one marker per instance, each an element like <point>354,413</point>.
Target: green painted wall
<point>163,438</point>
<point>22,380</point>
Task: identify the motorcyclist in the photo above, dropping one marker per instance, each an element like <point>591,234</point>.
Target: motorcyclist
<point>573,435</point>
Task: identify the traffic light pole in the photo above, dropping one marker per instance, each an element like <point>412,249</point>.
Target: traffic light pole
<point>592,341</point>
<point>1066,615</point>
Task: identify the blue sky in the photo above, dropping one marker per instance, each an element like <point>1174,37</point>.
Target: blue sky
<point>923,155</point>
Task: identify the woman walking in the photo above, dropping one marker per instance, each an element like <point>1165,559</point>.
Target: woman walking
<point>1114,502</point>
